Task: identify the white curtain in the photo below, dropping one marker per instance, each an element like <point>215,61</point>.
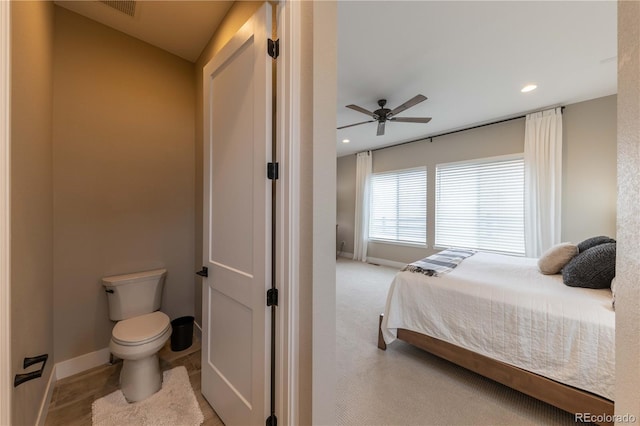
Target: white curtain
<point>542,180</point>
<point>361,229</point>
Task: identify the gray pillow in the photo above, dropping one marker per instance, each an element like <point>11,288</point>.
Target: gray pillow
<point>593,241</point>
<point>593,268</point>
<point>553,260</point>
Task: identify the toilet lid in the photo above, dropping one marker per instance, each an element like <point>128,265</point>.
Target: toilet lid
<point>141,329</point>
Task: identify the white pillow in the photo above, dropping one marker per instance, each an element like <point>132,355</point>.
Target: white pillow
<point>553,260</point>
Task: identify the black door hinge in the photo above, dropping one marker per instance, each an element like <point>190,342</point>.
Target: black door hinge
<point>272,171</point>
<point>273,48</point>
<point>204,272</point>
<point>272,297</point>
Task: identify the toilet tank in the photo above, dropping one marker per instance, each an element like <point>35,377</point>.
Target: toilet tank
<point>134,294</point>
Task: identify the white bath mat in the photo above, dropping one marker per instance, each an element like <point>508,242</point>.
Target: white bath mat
<point>174,404</point>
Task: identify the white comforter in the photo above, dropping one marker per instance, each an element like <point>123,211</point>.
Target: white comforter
<point>504,308</point>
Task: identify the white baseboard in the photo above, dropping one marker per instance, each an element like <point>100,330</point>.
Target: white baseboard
<point>93,359</point>
<point>198,330</point>
<point>377,261</point>
<point>46,400</point>
<point>82,363</point>
<point>386,262</point>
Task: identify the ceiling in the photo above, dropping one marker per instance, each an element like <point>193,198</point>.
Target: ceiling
<point>181,27</point>
<point>470,59</point>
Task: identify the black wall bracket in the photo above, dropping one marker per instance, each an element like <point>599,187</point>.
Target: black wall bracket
<point>28,362</point>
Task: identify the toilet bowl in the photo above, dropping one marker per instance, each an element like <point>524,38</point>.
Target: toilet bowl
<point>140,332</point>
<point>137,341</point>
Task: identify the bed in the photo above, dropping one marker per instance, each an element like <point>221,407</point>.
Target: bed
<point>500,317</point>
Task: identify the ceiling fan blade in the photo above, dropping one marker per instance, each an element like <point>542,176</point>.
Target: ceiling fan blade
<point>362,110</point>
<point>411,102</point>
<point>380,128</point>
<point>411,119</point>
<point>356,124</point>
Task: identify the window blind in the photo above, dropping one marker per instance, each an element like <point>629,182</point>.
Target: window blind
<point>398,211</point>
<point>480,204</point>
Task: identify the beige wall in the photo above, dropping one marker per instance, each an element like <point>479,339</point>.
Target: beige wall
<point>628,261</point>
<point>31,200</point>
<point>123,162</point>
<point>239,13</point>
<point>589,165</point>
<point>346,201</point>
<point>589,181</point>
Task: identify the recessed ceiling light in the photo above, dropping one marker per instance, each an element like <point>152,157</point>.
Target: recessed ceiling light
<point>528,88</point>
<point>345,141</point>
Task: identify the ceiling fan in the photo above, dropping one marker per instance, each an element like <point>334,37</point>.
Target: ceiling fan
<point>382,115</point>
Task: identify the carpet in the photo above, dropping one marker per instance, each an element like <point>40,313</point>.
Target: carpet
<point>174,404</point>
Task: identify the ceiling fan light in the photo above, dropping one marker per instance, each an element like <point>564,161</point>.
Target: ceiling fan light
<point>528,88</point>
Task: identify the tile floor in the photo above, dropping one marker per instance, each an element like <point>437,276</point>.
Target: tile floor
<point>72,397</point>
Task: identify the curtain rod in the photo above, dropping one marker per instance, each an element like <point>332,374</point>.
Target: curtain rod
<point>424,138</point>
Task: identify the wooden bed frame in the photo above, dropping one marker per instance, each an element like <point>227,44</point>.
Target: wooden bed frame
<point>565,397</point>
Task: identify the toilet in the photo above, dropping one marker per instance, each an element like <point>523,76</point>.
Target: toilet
<point>141,331</point>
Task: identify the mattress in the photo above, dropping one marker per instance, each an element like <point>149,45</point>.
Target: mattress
<point>504,308</point>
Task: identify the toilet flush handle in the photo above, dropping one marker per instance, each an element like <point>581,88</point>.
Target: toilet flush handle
<point>108,290</point>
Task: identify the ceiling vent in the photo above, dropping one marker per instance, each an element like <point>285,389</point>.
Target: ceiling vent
<point>127,7</point>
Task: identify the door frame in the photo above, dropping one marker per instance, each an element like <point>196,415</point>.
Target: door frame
<point>287,211</point>
<point>324,136</point>
<point>306,70</point>
<point>5,211</point>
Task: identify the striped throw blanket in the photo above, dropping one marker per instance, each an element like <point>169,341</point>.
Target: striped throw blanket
<point>440,263</point>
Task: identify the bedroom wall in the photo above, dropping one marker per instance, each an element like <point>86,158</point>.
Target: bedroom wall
<point>589,189</point>
<point>589,180</point>
<point>123,161</point>
<point>346,200</point>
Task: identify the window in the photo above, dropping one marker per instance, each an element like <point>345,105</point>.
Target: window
<point>480,204</point>
<point>399,206</point>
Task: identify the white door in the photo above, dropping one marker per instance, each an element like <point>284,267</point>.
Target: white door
<point>237,225</point>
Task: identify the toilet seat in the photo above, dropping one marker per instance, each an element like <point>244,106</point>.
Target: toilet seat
<point>141,329</point>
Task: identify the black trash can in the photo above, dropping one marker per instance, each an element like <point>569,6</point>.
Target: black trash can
<point>182,333</point>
